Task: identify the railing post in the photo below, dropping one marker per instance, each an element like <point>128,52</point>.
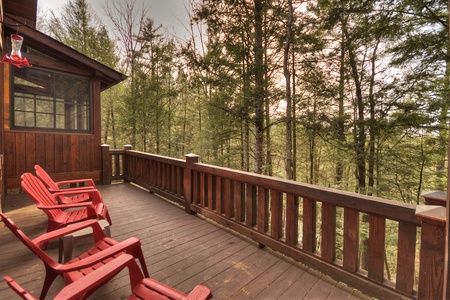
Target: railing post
<point>188,181</point>
<point>125,162</point>
<point>432,251</point>
<point>106,165</point>
<point>435,198</point>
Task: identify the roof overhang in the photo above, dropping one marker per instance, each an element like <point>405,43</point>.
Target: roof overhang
<point>22,10</point>
<point>57,50</point>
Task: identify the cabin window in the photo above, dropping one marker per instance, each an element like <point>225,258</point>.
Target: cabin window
<point>49,100</point>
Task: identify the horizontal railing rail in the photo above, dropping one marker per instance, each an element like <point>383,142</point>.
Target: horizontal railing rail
<point>367,242</point>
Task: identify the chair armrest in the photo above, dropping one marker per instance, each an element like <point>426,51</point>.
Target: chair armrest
<point>94,194</point>
<point>129,246</point>
<point>18,289</point>
<point>65,205</point>
<point>199,292</point>
<point>66,192</point>
<point>77,190</point>
<point>86,285</point>
<point>88,181</point>
<point>58,233</point>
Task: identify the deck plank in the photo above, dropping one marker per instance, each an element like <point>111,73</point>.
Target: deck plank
<point>181,250</point>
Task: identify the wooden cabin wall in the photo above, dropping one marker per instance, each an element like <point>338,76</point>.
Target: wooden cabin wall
<point>2,91</point>
<point>63,155</point>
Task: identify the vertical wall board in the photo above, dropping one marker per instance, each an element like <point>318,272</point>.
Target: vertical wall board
<point>92,153</point>
<point>74,153</point>
<point>10,153</point>
<point>40,150</point>
<point>21,153</point>
<point>67,153</point>
<point>30,148</point>
<point>83,153</point>
<point>50,153</point>
<point>59,154</point>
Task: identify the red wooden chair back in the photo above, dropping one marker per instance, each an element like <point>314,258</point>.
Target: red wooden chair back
<point>45,178</point>
<point>79,194</point>
<point>104,250</point>
<point>57,214</point>
<point>40,194</point>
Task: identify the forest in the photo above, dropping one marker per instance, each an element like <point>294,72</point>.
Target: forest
<point>347,94</point>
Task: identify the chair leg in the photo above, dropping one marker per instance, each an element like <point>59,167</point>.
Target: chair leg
<point>143,264</point>
<point>50,276</point>
<point>50,227</point>
<point>108,218</point>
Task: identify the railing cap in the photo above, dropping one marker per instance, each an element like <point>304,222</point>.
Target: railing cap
<point>431,212</point>
<point>435,194</point>
<point>191,155</point>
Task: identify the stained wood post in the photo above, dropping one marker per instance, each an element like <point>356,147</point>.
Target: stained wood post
<point>125,162</point>
<point>2,182</point>
<point>188,181</point>
<point>309,225</point>
<point>292,205</point>
<point>432,251</point>
<point>351,239</point>
<point>106,165</point>
<point>435,198</point>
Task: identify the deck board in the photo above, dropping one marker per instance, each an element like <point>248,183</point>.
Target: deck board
<point>181,250</point>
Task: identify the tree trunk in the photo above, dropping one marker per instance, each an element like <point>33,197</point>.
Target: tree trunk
<point>259,98</point>
<point>113,125</point>
<point>341,117</point>
<point>107,124</point>
<point>245,116</point>
<point>294,122</point>
<point>360,134</point>
<point>372,125</point>
<point>287,76</point>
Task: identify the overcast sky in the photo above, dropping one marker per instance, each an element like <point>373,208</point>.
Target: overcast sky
<point>171,14</point>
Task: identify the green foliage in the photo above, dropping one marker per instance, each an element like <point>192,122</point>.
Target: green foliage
<point>370,89</point>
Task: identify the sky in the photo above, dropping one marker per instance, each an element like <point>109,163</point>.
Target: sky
<point>171,14</point>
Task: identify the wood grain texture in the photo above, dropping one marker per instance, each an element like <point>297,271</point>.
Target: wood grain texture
<point>180,249</point>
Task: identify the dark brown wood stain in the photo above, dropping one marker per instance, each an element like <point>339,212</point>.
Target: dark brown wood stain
<point>181,250</point>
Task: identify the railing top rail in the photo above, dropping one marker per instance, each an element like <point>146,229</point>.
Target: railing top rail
<point>117,151</point>
<point>160,158</point>
<point>368,204</point>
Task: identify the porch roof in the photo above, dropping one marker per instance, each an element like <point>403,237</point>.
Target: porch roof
<point>63,53</point>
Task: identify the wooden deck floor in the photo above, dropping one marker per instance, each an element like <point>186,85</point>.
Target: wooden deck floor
<point>181,250</point>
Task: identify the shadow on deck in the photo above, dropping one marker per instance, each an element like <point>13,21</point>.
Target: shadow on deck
<point>181,250</point>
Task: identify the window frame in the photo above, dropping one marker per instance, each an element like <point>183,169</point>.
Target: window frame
<point>54,73</point>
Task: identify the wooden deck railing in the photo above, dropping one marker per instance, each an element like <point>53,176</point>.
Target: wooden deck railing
<point>326,229</point>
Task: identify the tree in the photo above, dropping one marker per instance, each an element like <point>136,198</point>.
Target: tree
<point>128,23</point>
<point>424,49</point>
<point>78,27</point>
<point>287,75</point>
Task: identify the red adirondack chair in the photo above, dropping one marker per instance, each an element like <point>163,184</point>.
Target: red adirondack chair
<point>57,214</point>
<point>103,251</point>
<point>18,289</point>
<point>142,288</point>
<point>60,186</point>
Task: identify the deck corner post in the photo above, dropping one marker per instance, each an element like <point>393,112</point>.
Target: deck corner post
<point>188,181</point>
<point>106,165</point>
<point>432,251</point>
<point>125,172</point>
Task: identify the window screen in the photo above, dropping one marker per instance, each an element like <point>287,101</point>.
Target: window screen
<point>49,100</point>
